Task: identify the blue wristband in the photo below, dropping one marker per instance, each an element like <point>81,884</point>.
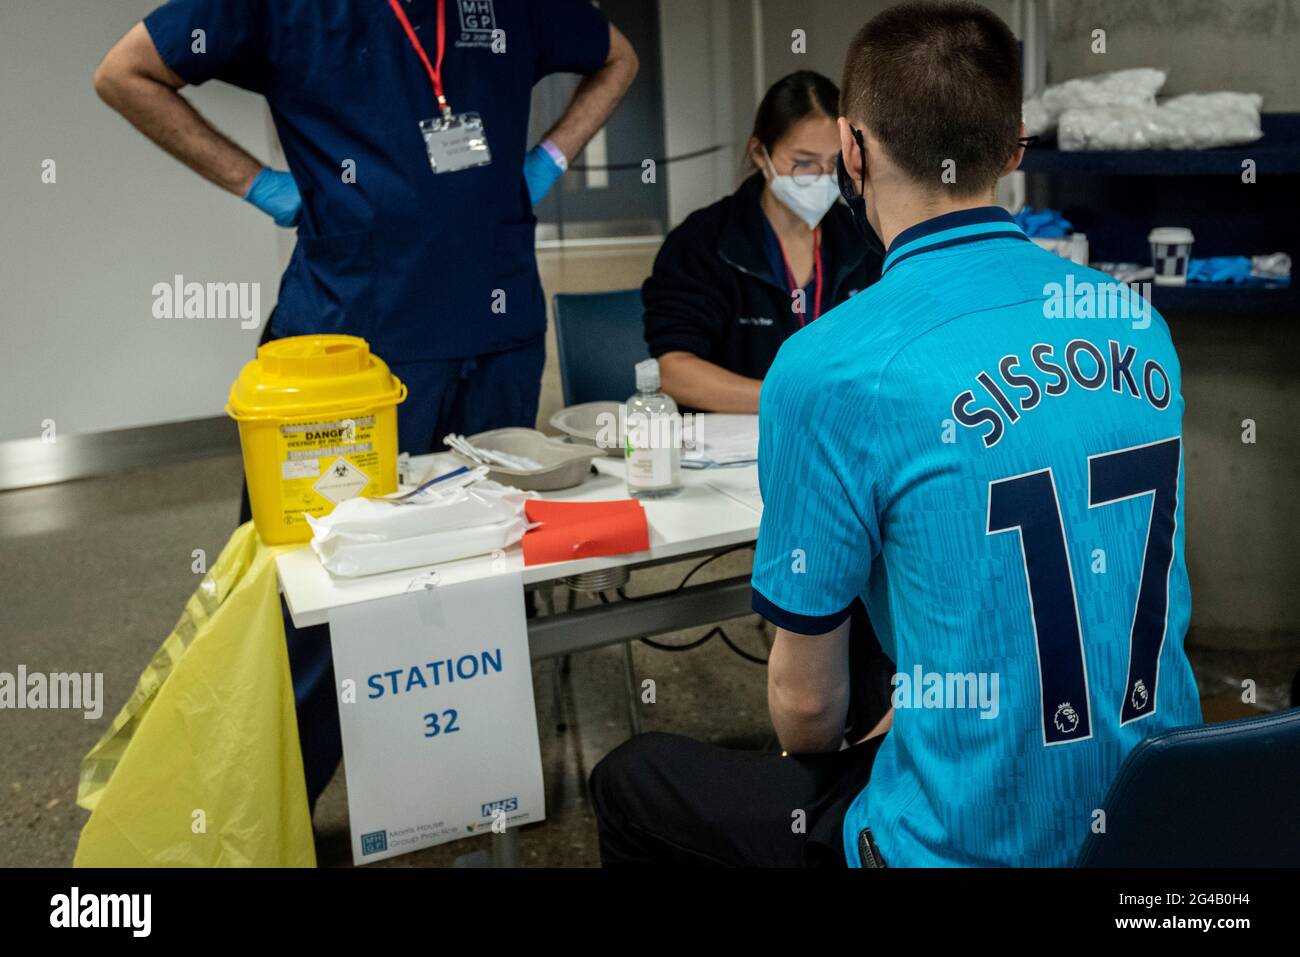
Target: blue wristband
<point>541,170</point>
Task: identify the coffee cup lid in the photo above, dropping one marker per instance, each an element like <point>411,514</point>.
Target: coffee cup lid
<point>1170,235</point>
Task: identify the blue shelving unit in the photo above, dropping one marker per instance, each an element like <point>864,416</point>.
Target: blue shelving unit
<point>1227,300</point>
<point>1117,197</point>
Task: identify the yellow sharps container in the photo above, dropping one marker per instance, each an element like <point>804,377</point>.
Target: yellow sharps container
<point>318,424</point>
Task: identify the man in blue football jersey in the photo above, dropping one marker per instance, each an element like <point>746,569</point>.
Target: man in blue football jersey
<point>986,447</point>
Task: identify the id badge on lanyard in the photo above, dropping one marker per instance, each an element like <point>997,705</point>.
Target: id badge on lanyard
<point>454,141</point>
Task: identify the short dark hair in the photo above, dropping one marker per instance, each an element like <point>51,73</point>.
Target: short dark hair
<point>937,81</point>
<point>791,99</point>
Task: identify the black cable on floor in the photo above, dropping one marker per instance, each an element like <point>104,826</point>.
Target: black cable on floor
<point>659,646</point>
<point>716,630</point>
<point>740,651</point>
<point>662,647</point>
<point>689,575</point>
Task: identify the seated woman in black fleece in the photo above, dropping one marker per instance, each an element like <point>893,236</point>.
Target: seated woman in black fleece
<point>737,278</point>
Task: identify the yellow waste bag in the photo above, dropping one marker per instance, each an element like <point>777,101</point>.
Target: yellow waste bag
<point>202,765</point>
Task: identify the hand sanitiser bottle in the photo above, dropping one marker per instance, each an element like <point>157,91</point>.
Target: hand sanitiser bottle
<point>653,443</point>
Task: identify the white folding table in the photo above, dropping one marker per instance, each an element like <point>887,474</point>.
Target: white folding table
<point>702,519</point>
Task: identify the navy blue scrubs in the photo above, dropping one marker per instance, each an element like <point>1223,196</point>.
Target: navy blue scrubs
<point>412,261</point>
<point>409,260</point>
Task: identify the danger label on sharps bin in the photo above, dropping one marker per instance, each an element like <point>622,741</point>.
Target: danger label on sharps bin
<point>323,463</point>
<point>341,480</point>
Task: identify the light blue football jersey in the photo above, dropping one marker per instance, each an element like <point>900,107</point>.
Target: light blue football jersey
<point>986,446</point>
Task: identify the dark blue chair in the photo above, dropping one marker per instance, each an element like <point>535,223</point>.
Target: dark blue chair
<point>1214,795</point>
<point>600,340</point>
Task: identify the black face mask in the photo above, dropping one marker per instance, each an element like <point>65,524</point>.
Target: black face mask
<point>854,199</point>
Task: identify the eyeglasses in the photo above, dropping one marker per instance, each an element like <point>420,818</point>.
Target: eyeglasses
<point>807,172</point>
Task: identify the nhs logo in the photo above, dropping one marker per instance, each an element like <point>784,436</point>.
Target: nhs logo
<point>477,16</point>
<point>505,805</point>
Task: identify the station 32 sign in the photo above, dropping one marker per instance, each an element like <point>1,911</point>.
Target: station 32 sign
<point>436,707</point>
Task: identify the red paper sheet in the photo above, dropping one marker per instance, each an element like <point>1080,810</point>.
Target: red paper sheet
<point>572,530</point>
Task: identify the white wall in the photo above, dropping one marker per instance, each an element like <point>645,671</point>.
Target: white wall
<point>829,26</point>
<point>1205,45</point>
<point>703,47</point>
<point>79,258</point>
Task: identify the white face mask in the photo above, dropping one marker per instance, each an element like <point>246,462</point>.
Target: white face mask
<point>809,201</point>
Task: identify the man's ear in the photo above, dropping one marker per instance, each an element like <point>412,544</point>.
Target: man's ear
<point>849,151</point>
<point>1013,162</point>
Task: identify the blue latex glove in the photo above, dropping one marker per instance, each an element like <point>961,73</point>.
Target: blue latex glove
<point>1230,270</point>
<point>1043,223</point>
<point>540,173</point>
<point>276,194</point>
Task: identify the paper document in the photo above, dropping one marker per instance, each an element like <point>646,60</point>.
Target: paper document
<point>722,440</point>
<point>740,484</point>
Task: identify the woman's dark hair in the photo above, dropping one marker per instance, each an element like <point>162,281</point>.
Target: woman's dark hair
<point>789,100</point>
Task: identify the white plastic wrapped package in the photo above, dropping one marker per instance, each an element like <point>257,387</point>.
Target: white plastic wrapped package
<point>356,559</point>
<point>1271,266</point>
<point>469,515</point>
<point>1136,87</point>
<point>1190,121</point>
<point>457,501</point>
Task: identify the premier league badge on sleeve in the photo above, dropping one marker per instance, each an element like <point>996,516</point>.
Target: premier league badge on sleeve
<point>1140,696</point>
<point>1066,719</point>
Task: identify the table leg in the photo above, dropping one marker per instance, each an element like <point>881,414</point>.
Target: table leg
<point>504,852</point>
<point>629,675</point>
<point>505,848</point>
<point>557,690</point>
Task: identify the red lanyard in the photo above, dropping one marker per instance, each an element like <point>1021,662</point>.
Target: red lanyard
<point>435,72</point>
<point>817,273</point>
